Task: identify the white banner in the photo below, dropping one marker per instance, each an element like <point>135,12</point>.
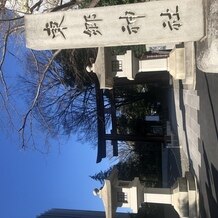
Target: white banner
<point>140,23</point>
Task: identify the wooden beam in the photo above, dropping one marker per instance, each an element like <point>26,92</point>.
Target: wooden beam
<point>113,122</point>
<point>101,153</point>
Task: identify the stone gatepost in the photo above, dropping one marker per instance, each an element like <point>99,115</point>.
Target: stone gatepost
<point>131,194</point>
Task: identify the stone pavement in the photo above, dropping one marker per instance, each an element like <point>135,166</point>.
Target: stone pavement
<point>196,115</point>
<point>207,86</point>
<point>183,152</point>
<point>188,128</point>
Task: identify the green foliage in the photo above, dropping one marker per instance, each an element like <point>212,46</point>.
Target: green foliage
<point>111,2</point>
<point>144,163</point>
<point>138,50</point>
<point>102,175</point>
<point>133,103</point>
<point>118,2</point>
<point>74,63</point>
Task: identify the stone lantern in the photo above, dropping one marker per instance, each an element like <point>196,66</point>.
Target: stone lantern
<point>108,66</point>
<point>131,194</point>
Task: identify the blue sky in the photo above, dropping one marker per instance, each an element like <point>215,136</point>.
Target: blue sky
<point>31,182</point>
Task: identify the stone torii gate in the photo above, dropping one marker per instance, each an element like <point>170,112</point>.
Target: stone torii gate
<point>155,22</point>
<point>183,195</point>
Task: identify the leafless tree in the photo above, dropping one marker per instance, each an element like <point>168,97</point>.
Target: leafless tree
<point>59,105</point>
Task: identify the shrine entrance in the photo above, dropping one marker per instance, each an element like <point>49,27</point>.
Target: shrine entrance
<point>136,110</point>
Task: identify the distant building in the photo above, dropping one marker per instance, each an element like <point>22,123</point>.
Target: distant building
<point>66,213</point>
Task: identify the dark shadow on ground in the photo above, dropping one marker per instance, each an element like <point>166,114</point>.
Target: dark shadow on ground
<point>207,87</point>
<point>211,186</point>
<point>174,163</point>
<point>182,108</point>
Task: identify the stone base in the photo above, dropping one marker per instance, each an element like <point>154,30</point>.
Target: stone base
<point>176,63</point>
<point>190,66</point>
<point>185,196</point>
<point>207,49</point>
<point>182,66</point>
<point>207,61</point>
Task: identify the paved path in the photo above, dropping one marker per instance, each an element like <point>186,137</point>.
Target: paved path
<point>197,127</point>
<point>207,86</point>
<point>197,116</point>
<point>187,110</point>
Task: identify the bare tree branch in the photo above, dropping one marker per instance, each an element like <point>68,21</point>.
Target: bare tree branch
<point>36,6</point>
<point>62,102</point>
<point>4,50</point>
<point>11,19</point>
<point>64,6</point>
<point>34,102</point>
<point>2,4</point>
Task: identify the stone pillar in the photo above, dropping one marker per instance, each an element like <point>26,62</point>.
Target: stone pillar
<point>182,196</point>
<point>158,195</point>
<point>174,64</point>
<point>153,65</point>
